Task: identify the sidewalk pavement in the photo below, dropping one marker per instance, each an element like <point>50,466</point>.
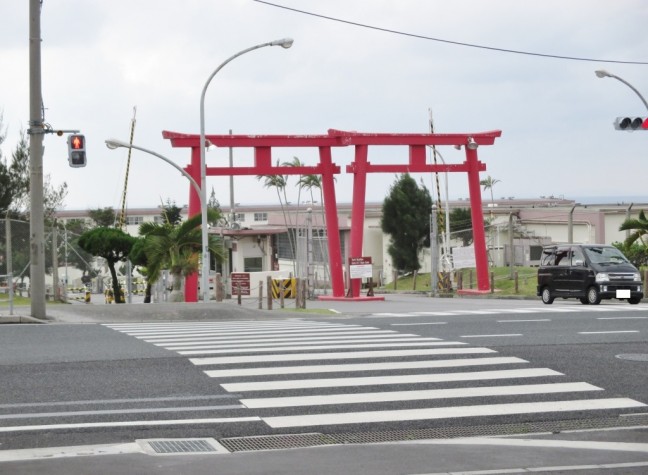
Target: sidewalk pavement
<point>229,309</point>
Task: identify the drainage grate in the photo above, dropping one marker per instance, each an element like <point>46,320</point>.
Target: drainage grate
<point>180,446</point>
<point>290,441</point>
<point>276,442</point>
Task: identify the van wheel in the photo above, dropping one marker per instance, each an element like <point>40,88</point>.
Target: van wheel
<point>547,298</point>
<point>593,297</point>
<point>634,300</point>
<point>584,300</point>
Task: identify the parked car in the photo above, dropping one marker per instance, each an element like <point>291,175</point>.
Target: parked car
<point>588,272</point>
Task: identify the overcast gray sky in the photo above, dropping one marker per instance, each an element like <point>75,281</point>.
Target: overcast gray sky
<point>100,59</point>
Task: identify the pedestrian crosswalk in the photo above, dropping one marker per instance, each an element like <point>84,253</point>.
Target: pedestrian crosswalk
<point>308,374</point>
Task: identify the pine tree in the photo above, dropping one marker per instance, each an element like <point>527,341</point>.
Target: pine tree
<point>406,212</point>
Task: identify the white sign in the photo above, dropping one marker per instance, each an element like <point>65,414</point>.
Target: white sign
<point>360,267</point>
<point>463,257</point>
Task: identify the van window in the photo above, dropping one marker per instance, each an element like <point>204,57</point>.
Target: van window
<point>577,255</point>
<point>563,257</point>
<point>600,255</point>
<point>548,257</point>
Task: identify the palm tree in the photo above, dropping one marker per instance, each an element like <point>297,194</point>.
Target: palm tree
<point>488,183</point>
<point>177,248</point>
<point>279,182</point>
<point>639,226</point>
<point>309,182</point>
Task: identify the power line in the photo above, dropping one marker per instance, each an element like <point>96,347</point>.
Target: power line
<point>440,40</point>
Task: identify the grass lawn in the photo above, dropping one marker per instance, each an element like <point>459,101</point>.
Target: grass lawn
<point>4,300</point>
<point>504,285</point>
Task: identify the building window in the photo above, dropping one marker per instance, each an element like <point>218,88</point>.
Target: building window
<point>319,242</point>
<point>260,216</point>
<point>158,219</point>
<point>285,245</point>
<point>134,220</point>
<point>240,217</point>
<point>253,264</point>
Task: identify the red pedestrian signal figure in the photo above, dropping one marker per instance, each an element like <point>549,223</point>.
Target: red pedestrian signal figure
<point>76,151</point>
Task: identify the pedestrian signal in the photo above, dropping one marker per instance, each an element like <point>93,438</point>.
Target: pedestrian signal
<point>76,150</point>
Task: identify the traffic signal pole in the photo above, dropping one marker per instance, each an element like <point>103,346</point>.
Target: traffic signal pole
<point>36,132</point>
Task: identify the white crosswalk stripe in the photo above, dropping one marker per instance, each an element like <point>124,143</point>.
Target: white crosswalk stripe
<point>300,373</point>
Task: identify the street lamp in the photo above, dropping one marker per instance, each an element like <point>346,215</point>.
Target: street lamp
<point>602,73</point>
<point>284,43</point>
<point>114,144</point>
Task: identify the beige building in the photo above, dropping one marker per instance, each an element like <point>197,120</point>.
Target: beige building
<point>258,242</point>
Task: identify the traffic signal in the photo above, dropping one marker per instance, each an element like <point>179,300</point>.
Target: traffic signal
<point>631,123</point>
<point>76,150</point>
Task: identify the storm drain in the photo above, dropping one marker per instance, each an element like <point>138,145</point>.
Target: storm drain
<point>291,441</point>
<point>277,442</point>
<point>181,446</point>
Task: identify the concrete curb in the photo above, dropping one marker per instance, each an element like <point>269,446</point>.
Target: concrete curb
<point>20,319</point>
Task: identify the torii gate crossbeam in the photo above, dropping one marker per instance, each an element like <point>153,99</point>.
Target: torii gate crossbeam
<point>416,143</point>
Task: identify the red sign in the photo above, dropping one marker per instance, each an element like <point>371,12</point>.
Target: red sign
<point>360,267</point>
<point>240,280</point>
<point>359,261</point>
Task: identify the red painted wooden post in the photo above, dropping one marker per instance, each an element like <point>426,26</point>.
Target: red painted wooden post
<point>332,225</point>
<point>477,214</point>
<point>191,281</point>
<point>358,209</point>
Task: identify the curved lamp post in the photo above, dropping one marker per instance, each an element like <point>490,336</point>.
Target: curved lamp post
<point>114,144</point>
<point>602,73</point>
<point>204,283</point>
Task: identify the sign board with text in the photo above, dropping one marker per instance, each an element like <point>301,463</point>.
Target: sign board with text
<point>242,280</point>
<point>360,267</point>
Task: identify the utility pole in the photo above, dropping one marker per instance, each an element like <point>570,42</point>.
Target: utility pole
<point>36,132</point>
<point>434,253</point>
<point>9,262</point>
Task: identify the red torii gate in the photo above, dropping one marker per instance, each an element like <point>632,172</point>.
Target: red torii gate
<point>417,144</point>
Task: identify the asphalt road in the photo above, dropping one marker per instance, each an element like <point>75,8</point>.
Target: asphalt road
<point>405,365</point>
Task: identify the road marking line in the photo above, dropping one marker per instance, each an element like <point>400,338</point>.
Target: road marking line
<point>391,315</point>
<point>413,324</point>
<point>319,347</point>
<point>478,312</point>
<point>523,321</point>
<point>621,318</point>
<point>433,314</point>
<point>544,469</point>
<point>339,356</point>
<point>448,412</point>
<point>116,401</point>
<point>50,453</point>
<point>247,332</point>
<point>31,415</point>
<point>603,333</point>
<point>261,338</point>
<point>312,369</point>
<point>86,425</point>
<point>560,443</point>
<point>355,398</point>
<point>491,336</point>
<point>261,346</point>
<point>385,380</point>
<point>201,328</point>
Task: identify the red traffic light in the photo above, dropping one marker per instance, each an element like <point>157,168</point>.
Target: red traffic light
<point>77,142</point>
